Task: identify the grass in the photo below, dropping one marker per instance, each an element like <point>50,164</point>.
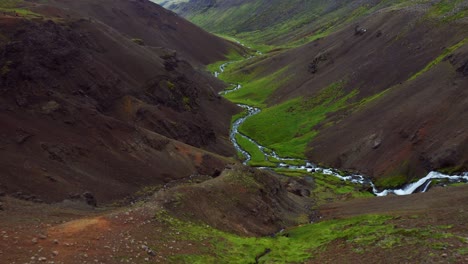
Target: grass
<point>287,128</point>
<point>329,188</point>
<point>13,7</point>
<point>391,181</point>
<point>299,244</point>
<point>294,246</point>
<point>232,55</point>
<point>255,90</point>
<point>332,188</point>
<point>258,159</point>
<point>440,58</point>
<point>448,10</point>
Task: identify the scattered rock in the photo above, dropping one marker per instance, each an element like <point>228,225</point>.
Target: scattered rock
<point>22,136</point>
<point>359,31</point>
<point>463,69</point>
<point>90,199</point>
<point>313,66</point>
<point>151,253</point>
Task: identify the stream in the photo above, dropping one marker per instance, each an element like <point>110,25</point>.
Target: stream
<point>422,185</point>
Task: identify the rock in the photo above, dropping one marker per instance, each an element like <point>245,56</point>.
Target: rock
<point>444,255</point>
<point>305,193</point>
<point>42,259</point>
<point>359,31</point>
<point>463,69</point>
<point>42,236</point>
<point>22,136</point>
<point>55,253</point>
<point>151,253</point>
<point>313,66</point>
<point>90,199</point>
<point>34,240</point>
<point>377,144</point>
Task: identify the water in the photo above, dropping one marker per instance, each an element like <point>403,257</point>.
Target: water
<point>422,185</point>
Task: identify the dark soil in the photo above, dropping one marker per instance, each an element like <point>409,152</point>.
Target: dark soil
<point>86,108</point>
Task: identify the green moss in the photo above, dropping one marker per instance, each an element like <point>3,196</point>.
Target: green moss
<point>391,181</point>
<point>452,170</point>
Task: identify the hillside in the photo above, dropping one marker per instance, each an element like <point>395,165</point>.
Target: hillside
<point>382,95</point>
<point>264,23</point>
<point>118,145</point>
<point>86,107</point>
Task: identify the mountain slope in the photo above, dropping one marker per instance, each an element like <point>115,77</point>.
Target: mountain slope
<point>287,23</point>
<point>149,23</point>
<point>86,108</point>
<point>385,98</point>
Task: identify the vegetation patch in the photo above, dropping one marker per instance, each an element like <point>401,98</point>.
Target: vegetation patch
<point>232,56</point>
<point>258,158</point>
<point>298,244</point>
<point>14,8</point>
<point>255,91</point>
<point>287,128</point>
<point>391,181</point>
<point>440,58</point>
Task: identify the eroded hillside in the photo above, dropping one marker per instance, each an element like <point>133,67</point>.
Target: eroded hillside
<point>87,107</point>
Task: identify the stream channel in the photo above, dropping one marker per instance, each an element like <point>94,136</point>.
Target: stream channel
<point>422,185</point>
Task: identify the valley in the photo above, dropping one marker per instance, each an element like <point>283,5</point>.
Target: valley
<point>294,132</point>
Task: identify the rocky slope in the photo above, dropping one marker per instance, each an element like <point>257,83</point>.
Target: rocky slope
<point>85,107</point>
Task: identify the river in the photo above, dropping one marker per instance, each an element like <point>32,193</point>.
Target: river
<point>422,185</point>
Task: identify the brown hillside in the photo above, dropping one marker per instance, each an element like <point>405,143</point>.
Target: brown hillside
<point>85,108</point>
<point>142,19</point>
<point>419,125</point>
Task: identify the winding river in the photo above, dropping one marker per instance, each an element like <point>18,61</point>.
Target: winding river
<point>422,185</point>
